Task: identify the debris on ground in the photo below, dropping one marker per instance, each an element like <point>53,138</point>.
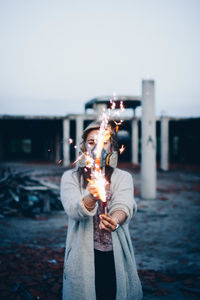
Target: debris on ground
<point>23,194</point>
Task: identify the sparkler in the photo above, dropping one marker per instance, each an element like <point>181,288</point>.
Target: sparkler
<point>98,175</point>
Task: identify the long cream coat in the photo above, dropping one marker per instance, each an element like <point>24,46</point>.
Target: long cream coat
<point>78,273</point>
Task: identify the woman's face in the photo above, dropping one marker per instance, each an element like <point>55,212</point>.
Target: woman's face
<point>91,140</point>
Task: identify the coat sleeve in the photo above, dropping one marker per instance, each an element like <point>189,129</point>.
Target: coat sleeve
<point>123,194</point>
<point>71,198</point>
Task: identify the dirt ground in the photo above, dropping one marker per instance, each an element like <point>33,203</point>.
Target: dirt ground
<point>165,235</point>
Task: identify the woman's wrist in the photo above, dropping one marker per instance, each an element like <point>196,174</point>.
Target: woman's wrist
<point>89,202</point>
<point>119,216</point>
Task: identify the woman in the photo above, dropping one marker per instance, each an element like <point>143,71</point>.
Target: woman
<point>99,258</point>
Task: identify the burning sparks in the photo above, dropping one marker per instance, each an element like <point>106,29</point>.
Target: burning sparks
<point>79,158</point>
<point>121,150</point>
<point>113,104</point>
<point>117,125</point>
<point>99,182</point>
<point>122,106</point>
<point>91,158</point>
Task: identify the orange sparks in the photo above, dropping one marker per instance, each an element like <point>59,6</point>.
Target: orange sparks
<point>80,156</point>
<point>70,141</point>
<point>117,125</point>
<point>99,182</point>
<point>121,150</point>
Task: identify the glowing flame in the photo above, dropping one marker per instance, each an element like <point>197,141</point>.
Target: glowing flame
<point>79,157</point>
<point>113,104</point>
<point>117,125</point>
<point>89,161</point>
<point>99,182</point>
<point>98,176</point>
<point>103,135</point>
<point>121,150</point>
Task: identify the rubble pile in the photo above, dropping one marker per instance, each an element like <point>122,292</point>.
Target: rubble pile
<point>23,194</point>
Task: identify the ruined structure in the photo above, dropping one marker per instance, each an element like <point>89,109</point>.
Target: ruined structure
<point>45,138</point>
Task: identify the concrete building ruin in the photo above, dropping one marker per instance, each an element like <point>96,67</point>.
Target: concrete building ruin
<point>45,138</point>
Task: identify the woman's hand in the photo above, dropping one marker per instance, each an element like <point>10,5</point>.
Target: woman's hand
<point>107,222</point>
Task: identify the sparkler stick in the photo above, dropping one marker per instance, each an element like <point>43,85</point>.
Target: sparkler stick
<point>98,175</point>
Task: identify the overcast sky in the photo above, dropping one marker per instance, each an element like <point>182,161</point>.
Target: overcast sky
<point>57,55</point>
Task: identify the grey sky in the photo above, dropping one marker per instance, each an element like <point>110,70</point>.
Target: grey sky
<point>56,55</point>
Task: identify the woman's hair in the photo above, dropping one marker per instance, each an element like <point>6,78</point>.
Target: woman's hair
<point>84,172</point>
<point>113,135</point>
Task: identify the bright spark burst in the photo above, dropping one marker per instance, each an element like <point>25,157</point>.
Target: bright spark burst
<point>99,182</point>
<point>70,141</point>
<point>98,179</point>
<point>122,106</point>
<point>121,150</point>
<point>79,157</point>
<point>113,104</point>
<point>117,125</point>
<point>89,161</point>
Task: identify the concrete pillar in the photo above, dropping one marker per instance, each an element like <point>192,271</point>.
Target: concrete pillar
<point>66,158</point>
<point>148,168</point>
<point>99,108</point>
<point>135,141</point>
<point>164,162</point>
<point>57,158</point>
<point>2,143</point>
<point>79,132</point>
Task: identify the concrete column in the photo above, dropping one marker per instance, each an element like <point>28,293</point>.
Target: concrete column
<point>164,162</point>
<point>79,132</point>
<point>99,108</point>
<point>57,158</point>
<point>135,141</point>
<point>148,168</point>
<point>2,143</point>
<point>66,158</point>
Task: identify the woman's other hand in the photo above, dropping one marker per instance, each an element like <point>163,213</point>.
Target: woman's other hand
<point>107,222</point>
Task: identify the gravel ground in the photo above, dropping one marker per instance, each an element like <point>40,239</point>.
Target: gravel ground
<point>165,234</point>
